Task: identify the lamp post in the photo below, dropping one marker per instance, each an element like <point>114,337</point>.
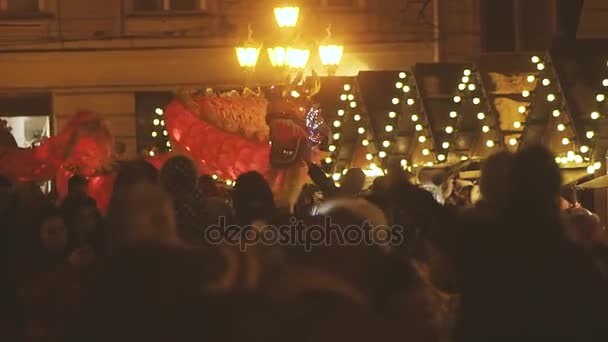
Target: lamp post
<point>248,55</point>
<point>331,54</point>
<point>293,56</point>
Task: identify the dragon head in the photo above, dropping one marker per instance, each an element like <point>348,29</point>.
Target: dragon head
<point>296,124</point>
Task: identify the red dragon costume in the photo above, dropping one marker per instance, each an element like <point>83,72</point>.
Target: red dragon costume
<point>226,134</point>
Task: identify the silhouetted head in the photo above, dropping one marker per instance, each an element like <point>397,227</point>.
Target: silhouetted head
<point>178,176</point>
<point>494,181</point>
<point>252,198</point>
<point>535,181</point>
<point>78,186</point>
<point>134,172</point>
<point>353,181</point>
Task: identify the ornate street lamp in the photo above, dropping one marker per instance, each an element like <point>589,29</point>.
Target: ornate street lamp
<point>291,56</point>
<point>297,58</point>
<point>287,16</point>
<point>248,53</point>
<point>278,56</point>
<point>330,54</point>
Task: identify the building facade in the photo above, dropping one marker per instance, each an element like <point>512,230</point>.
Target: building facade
<point>122,58</point>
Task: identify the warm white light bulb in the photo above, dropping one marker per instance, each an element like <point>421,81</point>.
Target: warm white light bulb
<point>525,93</point>
<point>357,117</point>
<point>556,113</point>
<point>522,109</point>
<point>485,129</point>
<point>441,157</point>
<point>332,148</point>
<point>565,141</point>
<point>399,85</point>
<point>476,101</point>
<point>490,143</point>
<point>402,75</point>
<point>388,128</point>
<point>365,142</point>
<point>600,98</point>
<point>410,102</point>
<point>361,130</point>
<point>481,115</point>
<point>159,111</point>
<point>531,78</point>
<point>512,141</point>
<point>449,129</point>
<point>341,112</point>
<point>551,97</point>
<point>457,99</point>
<point>347,87</point>
<point>415,117</point>
<point>337,123</point>
<point>336,136</point>
<point>406,89</point>
<point>584,149</point>
<point>426,152</point>
<point>453,114</point>
<point>369,156</point>
<point>445,145</point>
<point>595,115</point>
<point>535,59</point>
<point>462,86</point>
<point>540,66</point>
<point>517,124</point>
<point>561,127</point>
<point>418,127</point>
<point>590,134</point>
<point>422,138</point>
<point>382,154</point>
<point>392,115</point>
<point>386,143</point>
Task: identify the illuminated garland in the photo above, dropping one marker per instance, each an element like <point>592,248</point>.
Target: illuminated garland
<point>160,134</point>
<point>549,91</point>
<point>471,89</point>
<point>418,117</point>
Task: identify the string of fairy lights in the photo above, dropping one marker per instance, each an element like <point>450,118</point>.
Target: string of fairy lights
<point>471,89</point>
<point>578,146</point>
<point>159,134</point>
<point>348,109</point>
<point>419,119</point>
<point>387,138</point>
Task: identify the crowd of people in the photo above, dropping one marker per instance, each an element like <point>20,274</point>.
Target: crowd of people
<point>521,264</point>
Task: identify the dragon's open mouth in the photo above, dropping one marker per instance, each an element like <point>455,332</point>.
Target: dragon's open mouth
<point>288,139</point>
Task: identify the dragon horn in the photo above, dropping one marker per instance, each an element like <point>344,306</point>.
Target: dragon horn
<point>293,83</point>
<point>316,85</point>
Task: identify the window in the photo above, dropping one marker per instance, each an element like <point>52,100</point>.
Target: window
<point>168,5</point>
<point>20,6</point>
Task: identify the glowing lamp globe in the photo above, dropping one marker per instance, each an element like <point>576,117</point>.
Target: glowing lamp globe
<point>297,58</point>
<point>247,56</point>
<point>331,55</point>
<point>287,16</point>
<point>277,56</point>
